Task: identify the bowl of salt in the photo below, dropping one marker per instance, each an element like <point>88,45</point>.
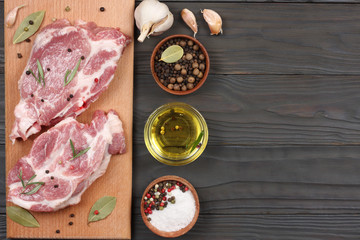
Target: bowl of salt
<point>170,206</point>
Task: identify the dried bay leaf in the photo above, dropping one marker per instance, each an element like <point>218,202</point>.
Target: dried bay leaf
<point>22,217</point>
<point>21,34</point>
<point>104,206</point>
<point>172,54</point>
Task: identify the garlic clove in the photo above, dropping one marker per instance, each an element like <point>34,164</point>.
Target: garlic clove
<point>214,21</point>
<point>189,19</point>
<point>11,16</point>
<point>163,25</point>
<point>152,18</point>
<point>145,29</point>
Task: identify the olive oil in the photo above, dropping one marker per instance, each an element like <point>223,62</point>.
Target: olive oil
<point>172,134</point>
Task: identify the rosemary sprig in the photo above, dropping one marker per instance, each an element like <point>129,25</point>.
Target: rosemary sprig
<point>40,73</point>
<point>76,155</point>
<point>196,142</point>
<point>24,185</point>
<point>72,73</point>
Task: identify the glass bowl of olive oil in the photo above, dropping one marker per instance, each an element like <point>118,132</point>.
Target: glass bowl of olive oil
<point>176,134</point>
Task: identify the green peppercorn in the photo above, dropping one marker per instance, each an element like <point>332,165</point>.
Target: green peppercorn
<point>67,9</point>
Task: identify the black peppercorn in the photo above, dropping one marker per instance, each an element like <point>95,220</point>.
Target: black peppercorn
<point>47,171</point>
<point>28,40</point>
<point>56,186</point>
<point>72,215</point>
<point>51,177</point>
<point>58,231</point>
<point>102,9</point>
<point>68,99</point>
<point>32,95</point>
<point>31,22</point>
<point>69,50</point>
<point>82,57</point>
<point>42,100</point>
<point>71,223</point>
<point>28,72</point>
<point>19,55</point>
<point>71,96</point>
<point>48,69</point>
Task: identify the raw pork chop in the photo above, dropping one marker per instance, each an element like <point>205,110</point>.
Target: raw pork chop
<point>51,160</point>
<point>59,47</point>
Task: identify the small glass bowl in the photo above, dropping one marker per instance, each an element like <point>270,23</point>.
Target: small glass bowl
<point>187,155</point>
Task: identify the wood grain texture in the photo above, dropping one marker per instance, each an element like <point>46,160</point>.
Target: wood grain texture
<point>264,180</point>
<point>119,97</point>
<point>265,109</point>
<point>272,38</point>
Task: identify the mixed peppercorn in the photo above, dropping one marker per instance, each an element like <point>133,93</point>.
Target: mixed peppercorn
<point>159,196</point>
<point>187,72</point>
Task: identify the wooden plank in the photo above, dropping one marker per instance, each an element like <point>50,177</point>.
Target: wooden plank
<point>272,227</point>
<point>272,38</point>
<point>265,109</point>
<point>264,180</point>
<point>117,180</point>
<point>269,227</point>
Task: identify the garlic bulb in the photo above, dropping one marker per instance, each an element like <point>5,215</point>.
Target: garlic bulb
<point>11,17</point>
<point>152,18</point>
<point>214,21</point>
<point>190,20</point>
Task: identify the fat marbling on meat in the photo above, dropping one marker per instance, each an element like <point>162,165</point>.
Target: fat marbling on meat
<point>50,158</point>
<point>58,47</point>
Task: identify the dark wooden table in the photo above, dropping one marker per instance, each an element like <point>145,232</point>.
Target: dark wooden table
<point>282,103</point>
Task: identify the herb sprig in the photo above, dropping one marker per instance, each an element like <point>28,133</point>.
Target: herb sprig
<point>72,73</point>
<point>196,142</point>
<point>76,155</point>
<point>24,185</point>
<point>40,73</point>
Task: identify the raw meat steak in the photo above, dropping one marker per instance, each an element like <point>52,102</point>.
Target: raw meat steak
<point>59,47</point>
<point>50,158</point>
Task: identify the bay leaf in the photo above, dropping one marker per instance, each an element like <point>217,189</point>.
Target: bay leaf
<point>21,34</point>
<point>22,217</point>
<point>172,54</point>
<point>104,206</point>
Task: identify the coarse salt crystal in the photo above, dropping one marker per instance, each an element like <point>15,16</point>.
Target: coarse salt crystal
<point>175,216</point>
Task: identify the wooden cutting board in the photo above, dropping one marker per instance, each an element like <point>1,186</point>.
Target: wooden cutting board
<point>117,181</point>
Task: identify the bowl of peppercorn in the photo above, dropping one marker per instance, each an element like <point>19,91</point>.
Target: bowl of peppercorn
<point>185,75</point>
<point>170,206</point>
